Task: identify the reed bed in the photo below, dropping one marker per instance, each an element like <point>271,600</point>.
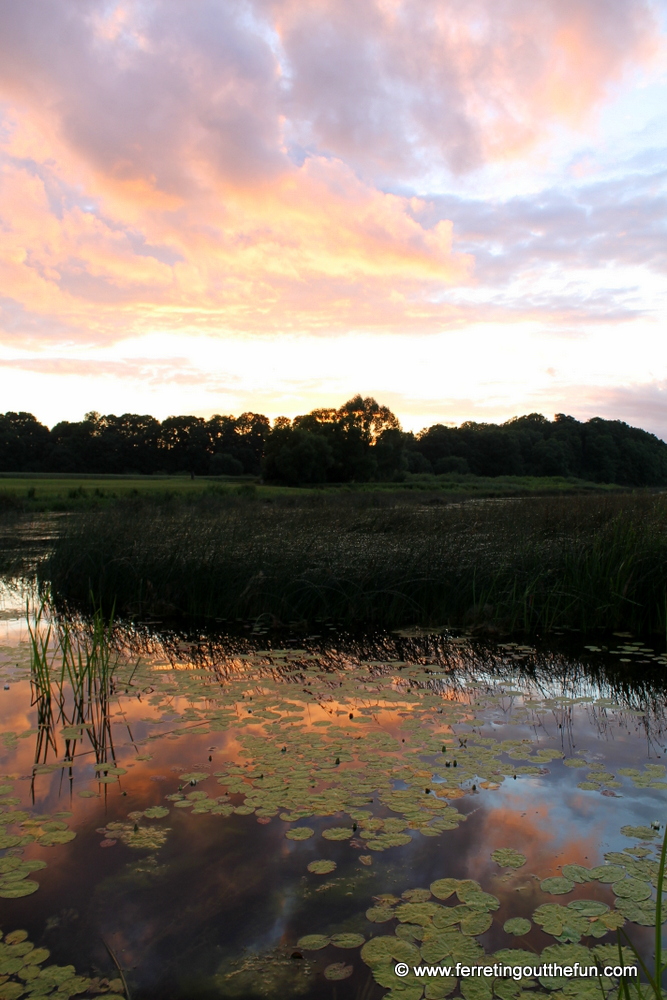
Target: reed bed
<point>534,563</point>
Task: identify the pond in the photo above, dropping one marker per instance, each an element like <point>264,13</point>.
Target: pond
<point>277,815</point>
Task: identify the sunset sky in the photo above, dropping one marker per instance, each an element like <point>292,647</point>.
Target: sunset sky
<point>456,206</point>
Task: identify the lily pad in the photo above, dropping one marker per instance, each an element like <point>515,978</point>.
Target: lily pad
<point>506,857</point>
<point>380,914</point>
<point>577,873</point>
<point>338,833</point>
<point>337,971</point>
<point>443,888</point>
<point>299,833</point>
<point>557,885</point>
<point>608,873</point>
<point>24,888</point>
<point>156,812</point>
<point>640,832</point>
<point>313,942</point>
<point>632,888</point>
<point>323,867</point>
<point>588,907</point>
<point>476,924</point>
<point>416,895</point>
<point>347,940</point>
<point>517,926</point>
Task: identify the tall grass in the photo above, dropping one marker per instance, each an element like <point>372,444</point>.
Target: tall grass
<point>532,563</point>
<point>72,670</point>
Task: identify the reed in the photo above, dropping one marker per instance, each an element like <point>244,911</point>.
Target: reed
<point>72,669</point>
<point>533,564</point>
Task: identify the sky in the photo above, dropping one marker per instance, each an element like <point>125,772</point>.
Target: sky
<point>455,206</point>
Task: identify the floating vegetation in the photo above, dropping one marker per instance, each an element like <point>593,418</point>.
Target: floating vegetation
<point>517,926</point>
<point>640,832</point>
<point>347,940</point>
<point>24,974</point>
<point>508,858</point>
<point>269,975</point>
<point>140,837</point>
<point>337,971</point>
<point>297,832</point>
<point>426,934</point>
<point>313,942</point>
<point>321,867</point>
<point>557,885</point>
<point>337,833</point>
<point>386,756</point>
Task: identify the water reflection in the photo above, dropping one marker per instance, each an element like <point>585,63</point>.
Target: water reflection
<point>456,741</point>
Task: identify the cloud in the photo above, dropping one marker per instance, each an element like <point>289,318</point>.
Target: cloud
<point>389,84</point>
<point>151,371</point>
<point>642,405</point>
<point>619,221</point>
<point>216,170</point>
<point>161,97</point>
<point>316,248</point>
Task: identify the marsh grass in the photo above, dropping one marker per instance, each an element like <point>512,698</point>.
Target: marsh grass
<point>533,563</point>
<point>72,674</point>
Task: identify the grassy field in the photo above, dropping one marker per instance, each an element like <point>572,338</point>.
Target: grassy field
<point>62,492</point>
<point>533,563</point>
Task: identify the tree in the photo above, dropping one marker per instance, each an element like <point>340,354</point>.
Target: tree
<point>296,456</point>
<point>24,442</point>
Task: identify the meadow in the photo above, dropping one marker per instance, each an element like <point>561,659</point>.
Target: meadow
<point>43,491</point>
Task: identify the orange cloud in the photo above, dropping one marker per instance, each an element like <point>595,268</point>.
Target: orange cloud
<point>185,166</point>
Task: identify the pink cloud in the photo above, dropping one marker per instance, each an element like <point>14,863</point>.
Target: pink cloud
<point>204,166</point>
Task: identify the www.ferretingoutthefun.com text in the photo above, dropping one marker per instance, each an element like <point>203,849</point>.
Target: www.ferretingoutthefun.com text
<point>549,970</point>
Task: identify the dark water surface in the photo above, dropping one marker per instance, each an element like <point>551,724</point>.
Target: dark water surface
<point>423,753</point>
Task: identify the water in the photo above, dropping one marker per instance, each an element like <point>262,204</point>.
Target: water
<point>460,747</point>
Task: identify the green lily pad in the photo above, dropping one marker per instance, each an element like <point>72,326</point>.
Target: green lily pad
<point>632,888</point>
<point>476,924</point>
<point>608,873</point>
<point>517,926</point>
<point>443,888</point>
<point>156,812</point>
<point>323,867</point>
<point>416,895</point>
<point>347,940</point>
<point>588,907</point>
<point>313,942</point>
<point>379,914</point>
<point>577,873</point>
<point>337,833</point>
<point>557,885</point>
<point>640,832</point>
<point>506,857</point>
<point>36,956</point>
<point>56,837</point>
<point>16,937</point>
<point>24,888</point>
<point>550,917</point>
<point>337,971</point>
<point>299,833</point>
<point>438,989</point>
<point>642,912</point>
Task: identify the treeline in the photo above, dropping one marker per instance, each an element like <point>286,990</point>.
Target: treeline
<point>361,441</point>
